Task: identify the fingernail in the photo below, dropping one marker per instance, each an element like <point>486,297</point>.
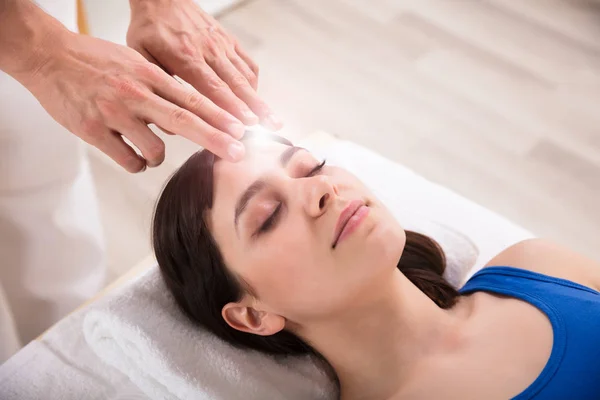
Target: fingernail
<point>237,129</point>
<point>152,164</point>
<point>235,151</point>
<point>274,122</point>
<point>250,117</point>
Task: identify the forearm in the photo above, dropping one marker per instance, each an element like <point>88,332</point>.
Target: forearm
<point>151,7</point>
<point>142,3</point>
<point>28,37</point>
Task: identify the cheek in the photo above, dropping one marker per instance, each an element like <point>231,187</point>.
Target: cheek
<point>290,275</point>
<point>349,181</point>
<point>281,267</point>
<point>388,241</point>
<point>384,247</point>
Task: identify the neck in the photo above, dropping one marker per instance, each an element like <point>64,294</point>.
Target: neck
<point>376,348</point>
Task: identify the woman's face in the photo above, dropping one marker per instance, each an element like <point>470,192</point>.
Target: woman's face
<point>309,241</point>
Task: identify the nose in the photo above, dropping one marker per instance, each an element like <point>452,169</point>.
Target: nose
<point>320,193</point>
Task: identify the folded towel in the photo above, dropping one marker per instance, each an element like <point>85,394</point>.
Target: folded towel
<point>140,331</point>
<point>62,366</point>
<point>40,370</point>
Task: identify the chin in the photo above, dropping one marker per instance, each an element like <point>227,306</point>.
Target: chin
<point>384,244</point>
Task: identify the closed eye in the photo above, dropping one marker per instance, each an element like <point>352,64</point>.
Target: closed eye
<point>316,169</point>
<point>271,221</point>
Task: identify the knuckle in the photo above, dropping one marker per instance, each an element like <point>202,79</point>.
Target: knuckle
<point>156,150</point>
<point>188,64</point>
<point>90,130</point>
<point>107,108</point>
<point>129,90</point>
<point>219,117</point>
<point>194,101</point>
<point>132,163</point>
<point>215,84</point>
<point>238,81</point>
<point>214,138</point>
<point>100,140</point>
<point>210,46</point>
<point>186,45</point>
<point>180,116</point>
<point>253,80</point>
<point>149,71</point>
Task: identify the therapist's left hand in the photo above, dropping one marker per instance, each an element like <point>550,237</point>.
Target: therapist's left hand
<point>185,41</point>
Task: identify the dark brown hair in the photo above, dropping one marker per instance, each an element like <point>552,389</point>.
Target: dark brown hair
<point>194,272</point>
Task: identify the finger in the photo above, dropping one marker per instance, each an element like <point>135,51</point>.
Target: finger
<point>150,145</point>
<point>242,89</point>
<point>247,59</point>
<point>182,122</point>
<point>146,54</point>
<point>191,100</point>
<point>207,82</point>
<point>168,132</point>
<point>245,70</point>
<point>111,144</point>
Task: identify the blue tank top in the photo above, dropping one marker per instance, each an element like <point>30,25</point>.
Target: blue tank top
<point>573,369</point>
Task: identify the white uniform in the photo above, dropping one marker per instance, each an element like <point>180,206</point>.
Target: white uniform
<point>51,248</point>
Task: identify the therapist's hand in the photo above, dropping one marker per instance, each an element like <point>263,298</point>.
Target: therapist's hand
<point>102,91</point>
<point>185,41</point>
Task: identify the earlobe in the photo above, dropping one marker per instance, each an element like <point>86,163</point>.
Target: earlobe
<point>248,319</point>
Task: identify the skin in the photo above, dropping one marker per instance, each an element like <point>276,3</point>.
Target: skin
<point>383,336</point>
<point>103,92</point>
<point>185,41</point>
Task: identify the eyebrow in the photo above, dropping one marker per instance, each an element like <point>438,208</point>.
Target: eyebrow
<point>259,184</point>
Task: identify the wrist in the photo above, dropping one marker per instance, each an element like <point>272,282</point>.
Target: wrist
<point>28,39</point>
<point>136,5</point>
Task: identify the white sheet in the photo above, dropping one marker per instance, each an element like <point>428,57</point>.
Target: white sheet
<point>63,366</point>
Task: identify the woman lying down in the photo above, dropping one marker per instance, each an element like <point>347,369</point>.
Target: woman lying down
<point>286,255</point>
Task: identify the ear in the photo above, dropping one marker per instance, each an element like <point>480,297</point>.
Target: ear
<point>245,318</point>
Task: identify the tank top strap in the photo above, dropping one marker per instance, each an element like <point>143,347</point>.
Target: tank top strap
<point>574,313</point>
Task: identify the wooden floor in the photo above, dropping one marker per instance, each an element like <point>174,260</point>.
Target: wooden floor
<point>498,100</point>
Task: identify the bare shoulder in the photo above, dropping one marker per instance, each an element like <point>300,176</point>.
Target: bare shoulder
<point>550,258</point>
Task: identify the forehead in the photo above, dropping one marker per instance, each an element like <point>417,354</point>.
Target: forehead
<point>231,179</point>
<point>234,177</point>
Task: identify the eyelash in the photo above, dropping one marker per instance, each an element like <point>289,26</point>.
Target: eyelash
<point>270,222</point>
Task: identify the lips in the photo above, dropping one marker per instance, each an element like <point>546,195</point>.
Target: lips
<point>345,216</point>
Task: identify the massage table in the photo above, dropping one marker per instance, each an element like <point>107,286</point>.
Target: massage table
<point>81,357</point>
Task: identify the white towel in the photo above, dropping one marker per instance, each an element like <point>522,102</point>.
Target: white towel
<point>141,333</point>
<point>62,366</point>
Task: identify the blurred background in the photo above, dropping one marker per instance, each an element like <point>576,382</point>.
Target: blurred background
<point>498,100</point>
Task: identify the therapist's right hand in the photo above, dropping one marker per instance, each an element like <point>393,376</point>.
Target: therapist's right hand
<point>102,92</point>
